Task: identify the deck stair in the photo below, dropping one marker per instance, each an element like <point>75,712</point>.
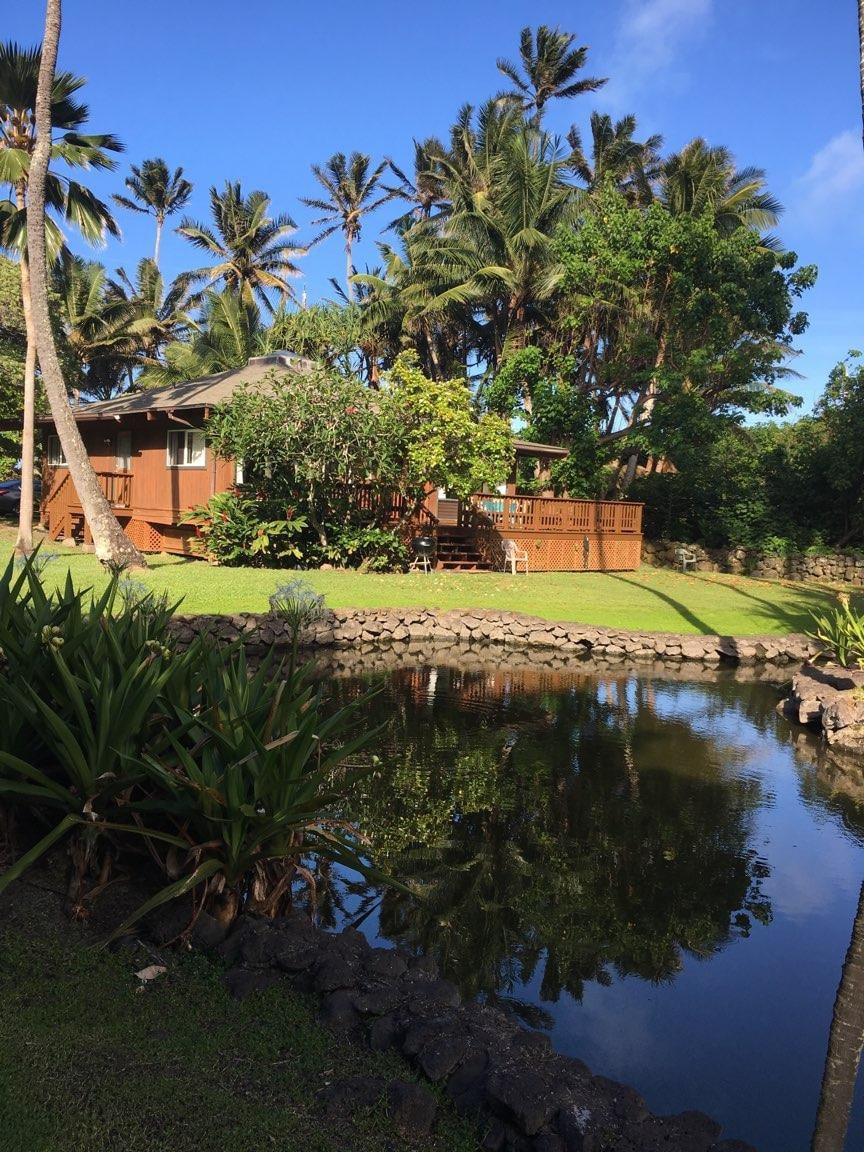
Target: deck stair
<point>457,551</point>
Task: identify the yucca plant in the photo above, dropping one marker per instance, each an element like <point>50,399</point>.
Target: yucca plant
<point>841,633</point>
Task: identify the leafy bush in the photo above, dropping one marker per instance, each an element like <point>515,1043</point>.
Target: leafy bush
<point>373,549</point>
<point>234,529</point>
<point>841,632</point>
<point>113,737</point>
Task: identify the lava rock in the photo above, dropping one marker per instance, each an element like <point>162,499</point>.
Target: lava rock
<point>526,1096</point>
<point>242,982</point>
<point>337,1011</point>
<point>412,1107</point>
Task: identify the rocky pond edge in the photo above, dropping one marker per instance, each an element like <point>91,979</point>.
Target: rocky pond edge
<point>405,627</point>
<point>524,1096</point>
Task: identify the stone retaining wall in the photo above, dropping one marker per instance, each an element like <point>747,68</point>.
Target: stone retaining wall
<point>355,627</point>
<point>526,1097</point>
<point>836,568</point>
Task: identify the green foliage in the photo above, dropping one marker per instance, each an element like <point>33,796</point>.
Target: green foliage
<point>434,435</point>
<point>841,632</point>
<point>368,547</point>
<point>112,735</point>
<point>232,528</point>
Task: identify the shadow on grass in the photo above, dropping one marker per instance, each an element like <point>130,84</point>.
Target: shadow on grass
<point>683,611</point>
<point>793,616</point>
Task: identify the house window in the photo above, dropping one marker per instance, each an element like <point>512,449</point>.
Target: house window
<point>123,452</point>
<point>186,448</point>
<point>54,453</point>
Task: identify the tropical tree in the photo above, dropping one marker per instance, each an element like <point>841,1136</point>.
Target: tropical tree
<point>157,192</point>
<point>111,544</point>
<point>157,315</point>
<point>70,200</point>
<point>861,53</point>
<point>615,155</point>
<point>95,325</point>
<point>426,190</point>
<point>225,335</point>
<point>352,188</point>
<point>252,253</point>
<point>549,63</point>
<point>701,177</point>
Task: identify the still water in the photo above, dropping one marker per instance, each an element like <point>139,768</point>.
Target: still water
<point>659,872</point>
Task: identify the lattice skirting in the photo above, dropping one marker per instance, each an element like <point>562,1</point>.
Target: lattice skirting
<point>559,553</point>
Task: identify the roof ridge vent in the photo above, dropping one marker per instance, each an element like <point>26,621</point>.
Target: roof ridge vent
<point>281,356</point>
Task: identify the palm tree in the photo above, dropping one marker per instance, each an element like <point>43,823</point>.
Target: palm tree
<point>861,53</point>
<point>549,66</point>
<point>700,177</point>
<point>426,192</point>
<point>111,544</point>
<point>251,249</point>
<point>95,325</point>
<point>351,192</point>
<point>501,242</point>
<point>227,334</point>
<point>71,201</point>
<point>157,192</point>
<point>616,156</point>
<point>156,315</point>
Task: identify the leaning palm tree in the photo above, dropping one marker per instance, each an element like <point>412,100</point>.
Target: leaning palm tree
<point>351,192</point>
<point>111,544</point>
<point>702,177</point>
<point>550,64</point>
<point>69,200</point>
<point>615,155</point>
<point>157,192</point>
<point>252,253</point>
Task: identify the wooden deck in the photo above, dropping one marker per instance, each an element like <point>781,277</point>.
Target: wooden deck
<point>559,535</point>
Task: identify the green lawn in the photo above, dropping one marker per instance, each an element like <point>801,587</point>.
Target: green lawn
<point>653,599</point>
<point>88,1062</point>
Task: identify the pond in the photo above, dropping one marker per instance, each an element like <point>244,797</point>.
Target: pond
<point>658,871</point>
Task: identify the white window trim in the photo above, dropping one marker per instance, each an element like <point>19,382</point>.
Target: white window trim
<point>54,457</point>
<point>187,434</point>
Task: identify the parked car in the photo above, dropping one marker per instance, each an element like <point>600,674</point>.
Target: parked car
<point>10,494</point>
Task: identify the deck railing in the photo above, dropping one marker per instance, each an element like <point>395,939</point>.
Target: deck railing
<point>390,506</point>
<point>556,514</point>
<point>116,488</point>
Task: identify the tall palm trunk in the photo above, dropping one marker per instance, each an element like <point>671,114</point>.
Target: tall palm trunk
<point>24,542</point>
<point>159,222</point>
<point>349,267</point>
<point>861,57</point>
<point>845,1043</point>
<point>111,543</point>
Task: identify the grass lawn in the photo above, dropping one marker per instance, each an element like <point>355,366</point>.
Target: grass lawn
<point>88,1062</point>
<point>652,598</point>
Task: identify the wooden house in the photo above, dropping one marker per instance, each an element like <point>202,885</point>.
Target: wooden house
<point>154,464</point>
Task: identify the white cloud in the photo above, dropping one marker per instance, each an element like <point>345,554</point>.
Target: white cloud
<point>649,43</point>
<point>833,180</point>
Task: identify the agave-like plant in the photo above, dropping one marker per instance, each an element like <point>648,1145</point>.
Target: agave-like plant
<point>840,631</point>
<point>253,774</point>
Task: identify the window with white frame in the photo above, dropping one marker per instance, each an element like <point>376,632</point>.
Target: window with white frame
<point>54,453</point>
<point>186,448</point>
<point>123,452</point>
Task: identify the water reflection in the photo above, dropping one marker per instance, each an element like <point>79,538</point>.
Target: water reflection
<point>548,835</point>
<point>589,848</point>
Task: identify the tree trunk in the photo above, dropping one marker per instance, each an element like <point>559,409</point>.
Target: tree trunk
<point>158,240</point>
<point>24,542</point>
<point>112,546</point>
<point>349,268</point>
<point>861,57</point>
<point>845,1042</point>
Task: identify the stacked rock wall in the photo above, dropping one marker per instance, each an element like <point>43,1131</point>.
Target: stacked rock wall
<point>835,568</point>
<point>353,627</point>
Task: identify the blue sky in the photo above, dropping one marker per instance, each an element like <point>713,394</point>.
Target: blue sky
<point>257,92</point>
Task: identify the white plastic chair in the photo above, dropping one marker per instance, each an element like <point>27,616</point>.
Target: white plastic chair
<point>685,559</point>
<point>513,557</point>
